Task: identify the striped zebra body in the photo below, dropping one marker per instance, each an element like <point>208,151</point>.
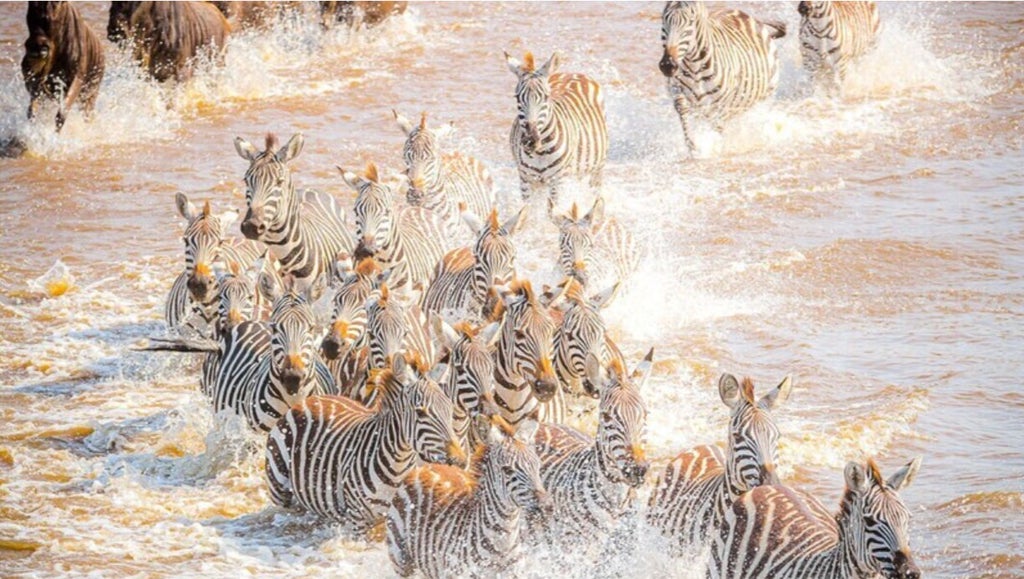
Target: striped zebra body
<point>582,333</point>
<point>344,461</point>
<point>241,365</point>
<point>470,358</point>
<point>408,242</point>
<point>592,247</point>
<point>560,131</point>
<point>449,522</point>
<point>718,64</point>
<point>592,482</point>
<point>834,34</point>
<point>236,303</point>
<point>697,488</point>
<point>304,230</point>
<point>525,381</point>
<point>441,182</point>
<point>458,289</point>
<point>774,531</point>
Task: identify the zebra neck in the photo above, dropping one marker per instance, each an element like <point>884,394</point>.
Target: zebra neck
<point>499,511</point>
<point>847,554</point>
<point>733,485</point>
<point>603,479</point>
<point>287,235</point>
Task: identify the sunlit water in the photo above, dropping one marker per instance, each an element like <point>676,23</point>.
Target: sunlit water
<point>872,248</point>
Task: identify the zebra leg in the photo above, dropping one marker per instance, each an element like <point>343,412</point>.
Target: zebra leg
<point>684,118</point>
<point>398,551</point>
<point>278,467</point>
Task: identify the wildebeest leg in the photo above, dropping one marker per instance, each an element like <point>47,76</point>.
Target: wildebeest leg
<point>69,99</point>
<point>31,107</point>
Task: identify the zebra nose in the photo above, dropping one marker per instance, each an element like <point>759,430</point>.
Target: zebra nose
<point>199,286</point>
<point>667,65</point>
<point>252,228</point>
<point>331,347</point>
<point>905,567</point>
<point>544,389</point>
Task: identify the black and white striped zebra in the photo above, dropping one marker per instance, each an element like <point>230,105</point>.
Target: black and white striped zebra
<point>344,461</point>
<point>409,241</point>
<point>458,288</point>
<point>441,182</point>
<point>594,248</point>
<point>560,130</point>
<point>236,304</point>
<point>345,349</point>
<point>469,353</point>
<point>304,230</point>
<point>592,481</point>
<point>450,522</point>
<point>718,64</point>
<point>525,381</point>
<point>580,334</point>
<point>833,35</point>
<point>699,485</point>
<point>774,531</point>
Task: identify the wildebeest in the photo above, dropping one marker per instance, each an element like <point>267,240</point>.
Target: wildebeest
<point>255,14</point>
<point>167,36</point>
<point>62,54</point>
<point>359,13</point>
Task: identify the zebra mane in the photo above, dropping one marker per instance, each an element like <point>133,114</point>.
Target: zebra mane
<point>493,221</point>
<point>271,143</point>
<point>875,472</point>
<point>385,293</point>
<point>423,121</point>
<point>416,360</point>
<point>466,329</point>
<point>616,367</point>
<point>367,267</point>
<point>528,64</point>
<point>206,208</point>
<point>747,390</point>
<point>371,172</point>
<point>574,289</point>
<point>574,212</point>
<point>524,288</point>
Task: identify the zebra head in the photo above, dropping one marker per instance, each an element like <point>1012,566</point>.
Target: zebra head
<point>292,326</point>
<point>622,424</point>
<point>237,296</point>
<point>374,210</point>
<point>508,460</point>
<point>581,334</point>
<point>875,522</point>
<point>386,327</point>
<point>494,251</point>
<point>470,354</point>
<point>576,238</point>
<point>349,317</point>
<point>533,97</point>
<point>526,347</point>
<point>426,411</point>
<point>269,193</point>
<point>203,237</point>
<point>753,435</point>
<point>680,23</point>
<point>422,159</point>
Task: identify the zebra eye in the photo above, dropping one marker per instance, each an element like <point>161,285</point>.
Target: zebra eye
<point>508,470</point>
<point>421,411</point>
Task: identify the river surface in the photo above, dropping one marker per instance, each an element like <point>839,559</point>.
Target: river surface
<point>873,248</point>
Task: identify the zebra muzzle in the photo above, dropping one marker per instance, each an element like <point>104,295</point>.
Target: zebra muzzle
<point>455,455</point>
<point>905,566</point>
<point>667,65</point>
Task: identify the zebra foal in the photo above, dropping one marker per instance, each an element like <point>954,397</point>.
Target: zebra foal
<point>718,64</point>
<point>833,35</point>
<point>469,352</point>
<point>448,522</point>
<point>591,246</point>
<point>774,531</point>
<point>560,129</point>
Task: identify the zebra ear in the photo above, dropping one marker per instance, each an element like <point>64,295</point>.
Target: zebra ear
<point>490,334</point>
<point>516,222</point>
<point>904,476</point>
<point>601,300</point>
<point>315,289</point>
<point>593,371</point>
<point>438,373</point>
<point>447,334</point>
<point>495,434</point>
<point>856,477</point>
<point>551,66</point>
<point>472,221</point>
<point>291,149</point>
<point>596,212</point>
<point>526,431</point>
<point>776,397</point>
<point>354,181</point>
<point>228,217</point>
<point>513,64</point>
<point>269,287</point>
<point>403,123</point>
<point>245,149</point>
<point>254,269</point>
<point>186,208</point>
<point>642,371</point>
<point>729,389</point>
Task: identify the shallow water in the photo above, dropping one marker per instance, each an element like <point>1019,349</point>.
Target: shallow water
<point>872,248</point>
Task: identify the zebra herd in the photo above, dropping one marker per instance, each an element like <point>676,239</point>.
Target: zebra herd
<point>430,408</point>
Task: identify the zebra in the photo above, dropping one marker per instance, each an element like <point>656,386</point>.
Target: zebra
<point>449,522</point>
<point>593,481</point>
<point>462,277</point>
<point>192,301</point>
<point>345,349</point>
<point>525,381</point>
<point>718,64</point>
<point>304,230</point>
<point>774,531</point>
<point>441,182</point>
<point>560,130</point>
<point>408,242</point>
<point>343,461</point>
<point>588,244</point>
<point>391,329</point>
<point>698,486</point>
<point>470,358</point>
<point>834,34</point>
<point>265,368</point>
<point>580,334</point>
<point>236,304</point>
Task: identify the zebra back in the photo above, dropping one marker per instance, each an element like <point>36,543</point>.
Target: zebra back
<point>697,487</point>
<point>560,130</point>
<point>774,531</point>
<point>833,35</point>
<point>448,522</point>
<point>342,460</point>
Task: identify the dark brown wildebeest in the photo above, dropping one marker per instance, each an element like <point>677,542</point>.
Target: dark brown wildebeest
<point>255,14</point>
<point>356,14</point>
<point>61,54</point>
<point>166,36</point>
